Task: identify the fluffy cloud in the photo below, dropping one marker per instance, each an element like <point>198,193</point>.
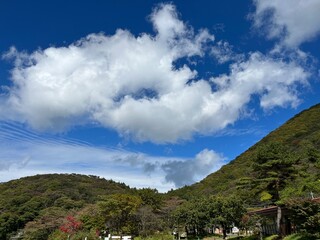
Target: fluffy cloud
<point>274,81</point>
<point>186,172</point>
<point>132,84</point>
<point>293,21</point>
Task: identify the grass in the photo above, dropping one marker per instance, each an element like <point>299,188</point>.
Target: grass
<point>159,236</point>
<point>272,237</point>
<point>218,237</point>
<point>301,236</point>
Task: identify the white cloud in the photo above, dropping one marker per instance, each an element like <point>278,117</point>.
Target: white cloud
<point>131,84</point>
<point>100,77</point>
<point>187,172</point>
<point>292,21</point>
<point>274,81</point>
<point>223,52</point>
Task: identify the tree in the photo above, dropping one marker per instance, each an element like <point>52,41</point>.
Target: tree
<point>120,212</point>
<point>273,167</point>
<point>92,218</point>
<point>149,222</point>
<point>226,212</point>
<point>251,223</point>
<point>150,197</point>
<point>71,225</point>
<point>305,215</point>
<point>48,220</point>
<point>8,223</point>
<point>194,215</point>
<point>213,211</point>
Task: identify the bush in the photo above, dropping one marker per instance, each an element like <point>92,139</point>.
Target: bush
<point>305,215</point>
<point>301,236</point>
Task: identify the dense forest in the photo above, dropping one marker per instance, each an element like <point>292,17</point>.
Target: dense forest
<point>282,169</point>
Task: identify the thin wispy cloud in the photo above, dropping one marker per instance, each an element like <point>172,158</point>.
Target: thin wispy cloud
<point>223,52</point>
<point>24,151</point>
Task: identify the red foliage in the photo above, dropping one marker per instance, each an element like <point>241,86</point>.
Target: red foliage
<point>71,225</point>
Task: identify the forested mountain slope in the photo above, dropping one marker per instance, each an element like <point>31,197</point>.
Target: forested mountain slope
<point>300,137</point>
<point>22,200</point>
<point>56,189</point>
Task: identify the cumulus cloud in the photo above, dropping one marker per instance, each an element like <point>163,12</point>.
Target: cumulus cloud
<point>274,81</point>
<point>132,84</point>
<point>186,172</point>
<point>291,21</point>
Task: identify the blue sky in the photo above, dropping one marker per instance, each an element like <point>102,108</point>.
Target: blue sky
<point>149,93</point>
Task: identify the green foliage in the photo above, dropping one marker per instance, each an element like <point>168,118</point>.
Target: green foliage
<point>194,213</point>
<point>67,203</point>
<point>300,236</point>
<point>39,204</point>
<point>305,215</point>
<point>22,201</point>
<point>9,222</point>
<point>48,220</point>
<point>119,211</point>
<point>158,236</point>
<point>273,168</point>
<point>80,235</point>
<point>265,196</point>
<point>150,197</point>
<point>299,137</point>
<point>226,212</point>
<point>91,217</point>
<point>212,211</point>
<point>149,222</point>
<point>273,237</point>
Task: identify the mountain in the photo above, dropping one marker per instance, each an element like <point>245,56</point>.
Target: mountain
<point>22,200</point>
<point>49,189</point>
<point>300,135</point>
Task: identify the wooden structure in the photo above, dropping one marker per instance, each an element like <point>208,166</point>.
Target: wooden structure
<point>276,219</point>
<point>272,223</point>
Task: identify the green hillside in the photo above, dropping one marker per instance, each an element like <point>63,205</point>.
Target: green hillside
<point>53,206</point>
<point>22,200</point>
<point>55,190</point>
<point>300,136</point>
